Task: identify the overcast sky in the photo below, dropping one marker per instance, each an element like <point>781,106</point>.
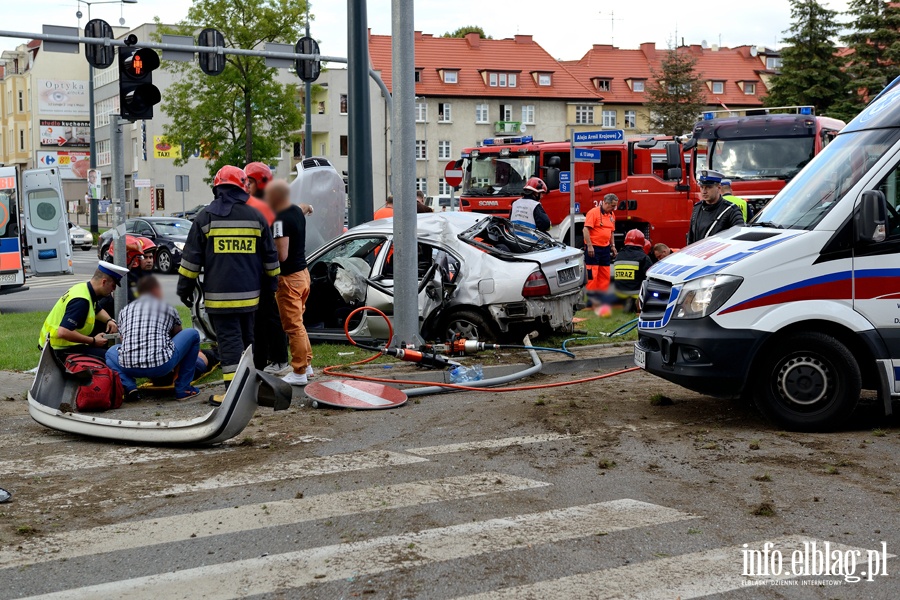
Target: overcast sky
<point>566,28</point>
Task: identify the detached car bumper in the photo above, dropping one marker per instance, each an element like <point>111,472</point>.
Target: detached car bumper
<point>555,311</point>
<point>699,355</point>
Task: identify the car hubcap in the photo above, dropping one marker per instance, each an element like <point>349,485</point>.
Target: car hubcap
<point>465,329</point>
<point>163,262</point>
<point>804,380</point>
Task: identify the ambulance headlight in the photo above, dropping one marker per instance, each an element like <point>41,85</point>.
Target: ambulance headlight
<point>706,295</point>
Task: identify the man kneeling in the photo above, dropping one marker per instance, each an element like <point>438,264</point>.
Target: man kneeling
<point>153,342</point>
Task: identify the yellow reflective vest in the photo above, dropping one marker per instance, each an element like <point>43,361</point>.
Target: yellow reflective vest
<point>739,202</point>
<point>54,319</point>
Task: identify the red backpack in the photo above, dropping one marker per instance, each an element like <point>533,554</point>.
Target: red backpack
<point>103,392</point>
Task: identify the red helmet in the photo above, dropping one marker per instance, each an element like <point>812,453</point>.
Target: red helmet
<point>135,248</point>
<point>635,237</point>
<point>230,175</point>
<point>260,173</point>
<point>536,185</point>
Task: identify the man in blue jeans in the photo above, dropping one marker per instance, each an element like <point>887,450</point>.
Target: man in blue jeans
<point>154,343</point>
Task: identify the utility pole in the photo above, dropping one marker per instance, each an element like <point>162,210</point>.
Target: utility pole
<point>117,146</point>
<point>307,105</point>
<point>360,117</point>
<point>403,161</point>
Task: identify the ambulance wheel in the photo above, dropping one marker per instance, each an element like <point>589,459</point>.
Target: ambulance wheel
<point>808,382</point>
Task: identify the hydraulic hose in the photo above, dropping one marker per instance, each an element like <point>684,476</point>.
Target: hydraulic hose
<point>540,348</point>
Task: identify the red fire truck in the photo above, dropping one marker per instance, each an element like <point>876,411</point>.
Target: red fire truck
<point>653,177</point>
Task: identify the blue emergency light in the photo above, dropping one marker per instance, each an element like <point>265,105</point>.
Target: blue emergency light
<point>806,110</point>
<point>708,116</point>
<point>512,141</point>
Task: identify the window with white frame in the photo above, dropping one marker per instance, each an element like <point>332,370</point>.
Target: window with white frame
<point>422,185</point>
<point>451,76</point>
<point>749,88</point>
<point>512,78</point>
<point>104,156</point>
<point>481,113</point>
<point>492,79</point>
<point>609,118</point>
<point>545,79</point>
<point>106,76</point>
<point>344,104</point>
<point>773,62</point>
<point>528,114</point>
<point>718,87</point>
<point>444,114</point>
<point>418,76</point>
<point>637,85</point>
<point>584,114</point>
<point>506,112</point>
<point>630,119</point>
<point>443,187</point>
<point>444,149</point>
<point>421,150</point>
<point>421,112</point>
<point>104,108</point>
<point>603,85</point>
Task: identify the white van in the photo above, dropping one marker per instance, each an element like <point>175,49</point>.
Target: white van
<point>800,309</point>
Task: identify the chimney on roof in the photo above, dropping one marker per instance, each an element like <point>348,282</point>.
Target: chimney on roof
<point>418,35</point>
<point>523,39</point>
<point>473,38</point>
<point>602,47</point>
<point>649,49</point>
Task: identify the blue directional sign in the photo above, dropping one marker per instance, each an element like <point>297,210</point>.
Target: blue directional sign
<point>565,187</point>
<point>578,207</point>
<point>565,176</point>
<point>593,137</point>
<point>587,154</point>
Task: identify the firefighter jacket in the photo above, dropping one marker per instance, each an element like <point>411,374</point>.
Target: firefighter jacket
<point>710,219</point>
<point>630,270</point>
<point>230,242</point>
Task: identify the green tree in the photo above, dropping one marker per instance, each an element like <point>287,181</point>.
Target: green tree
<point>675,95</point>
<point>245,114</point>
<point>873,57</point>
<point>462,31</point>
<point>811,73</point>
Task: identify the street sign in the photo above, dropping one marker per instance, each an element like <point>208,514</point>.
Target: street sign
<point>453,175</point>
<point>565,176</point>
<point>182,183</point>
<point>587,155</point>
<point>99,57</point>
<point>211,64</point>
<point>65,47</point>
<point>565,187</point>
<point>178,40</point>
<point>594,137</point>
<point>142,183</point>
<point>361,395</point>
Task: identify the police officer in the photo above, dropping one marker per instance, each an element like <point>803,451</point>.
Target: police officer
<point>527,210</point>
<point>728,195</point>
<point>232,244</point>
<point>70,325</point>
<point>712,214</point>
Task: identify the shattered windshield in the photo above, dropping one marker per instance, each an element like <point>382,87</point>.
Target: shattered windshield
<point>495,175</point>
<point>761,158</point>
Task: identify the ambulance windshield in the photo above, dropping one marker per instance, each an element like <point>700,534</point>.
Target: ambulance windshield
<point>495,175</point>
<point>805,201</point>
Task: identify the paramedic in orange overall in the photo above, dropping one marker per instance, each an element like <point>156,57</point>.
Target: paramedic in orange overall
<point>600,246</point>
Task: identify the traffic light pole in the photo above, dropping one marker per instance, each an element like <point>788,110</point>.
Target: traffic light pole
<point>360,115</point>
<point>307,104</point>
<point>95,202</point>
<point>117,146</point>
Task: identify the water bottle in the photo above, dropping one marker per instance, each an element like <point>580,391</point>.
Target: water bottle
<point>463,374</point>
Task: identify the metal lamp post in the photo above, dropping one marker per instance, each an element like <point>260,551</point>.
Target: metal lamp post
<point>95,227</point>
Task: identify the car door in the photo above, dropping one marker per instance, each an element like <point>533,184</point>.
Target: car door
<point>46,223</point>
<point>876,274</point>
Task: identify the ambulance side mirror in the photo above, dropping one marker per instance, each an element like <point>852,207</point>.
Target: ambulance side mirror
<point>871,218</point>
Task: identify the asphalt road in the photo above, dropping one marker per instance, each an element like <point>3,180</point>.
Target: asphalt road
<point>43,292</point>
<point>586,492</point>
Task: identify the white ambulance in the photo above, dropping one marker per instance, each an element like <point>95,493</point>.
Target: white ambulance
<point>800,309</point>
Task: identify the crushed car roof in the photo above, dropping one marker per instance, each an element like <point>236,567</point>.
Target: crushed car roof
<point>429,226</point>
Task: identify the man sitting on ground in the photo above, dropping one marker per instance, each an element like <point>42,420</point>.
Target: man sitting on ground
<point>154,343</point>
<point>70,325</point>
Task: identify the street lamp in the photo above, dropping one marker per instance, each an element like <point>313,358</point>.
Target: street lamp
<point>95,227</point>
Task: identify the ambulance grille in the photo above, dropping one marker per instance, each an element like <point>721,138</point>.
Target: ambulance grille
<point>654,298</point>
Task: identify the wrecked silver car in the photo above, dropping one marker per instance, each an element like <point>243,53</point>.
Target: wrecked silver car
<point>479,276</point>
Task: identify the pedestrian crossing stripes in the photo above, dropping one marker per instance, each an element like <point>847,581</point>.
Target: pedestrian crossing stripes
<point>114,456</point>
<point>52,282</point>
<point>490,444</point>
<point>161,530</point>
<point>269,574</point>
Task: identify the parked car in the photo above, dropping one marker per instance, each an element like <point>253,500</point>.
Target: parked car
<point>190,213</point>
<point>78,236</point>
<point>168,233</point>
<point>479,276</point>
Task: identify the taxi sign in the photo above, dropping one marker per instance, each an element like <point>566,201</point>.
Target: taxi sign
<point>360,395</point>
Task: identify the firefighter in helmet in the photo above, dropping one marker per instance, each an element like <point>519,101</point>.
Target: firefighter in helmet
<point>630,268</point>
<point>527,210</point>
<point>231,243</point>
<point>140,255</point>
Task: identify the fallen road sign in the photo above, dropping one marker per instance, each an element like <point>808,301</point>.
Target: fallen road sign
<point>361,395</point>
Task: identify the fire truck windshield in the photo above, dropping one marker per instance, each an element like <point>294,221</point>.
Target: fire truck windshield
<point>760,158</point>
<point>495,175</point>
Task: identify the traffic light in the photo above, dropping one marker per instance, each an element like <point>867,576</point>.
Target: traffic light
<point>137,94</point>
<point>307,69</point>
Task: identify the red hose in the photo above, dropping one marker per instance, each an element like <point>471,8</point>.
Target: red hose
<point>330,371</point>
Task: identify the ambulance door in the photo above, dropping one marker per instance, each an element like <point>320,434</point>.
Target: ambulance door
<point>876,270</point>
<point>46,223</point>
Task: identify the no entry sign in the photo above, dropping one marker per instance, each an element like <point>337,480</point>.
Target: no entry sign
<point>361,395</point>
<point>453,175</point>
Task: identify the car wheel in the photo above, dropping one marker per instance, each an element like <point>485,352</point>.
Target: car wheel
<point>468,324</point>
<point>164,261</point>
<point>809,382</point>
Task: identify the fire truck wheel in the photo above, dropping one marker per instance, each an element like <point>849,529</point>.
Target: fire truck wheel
<point>808,382</point>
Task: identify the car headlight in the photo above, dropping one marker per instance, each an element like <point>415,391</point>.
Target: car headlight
<point>706,295</point>
<point>179,245</point>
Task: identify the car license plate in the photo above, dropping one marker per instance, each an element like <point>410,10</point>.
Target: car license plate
<point>8,278</point>
<point>640,357</point>
<point>567,275</point>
